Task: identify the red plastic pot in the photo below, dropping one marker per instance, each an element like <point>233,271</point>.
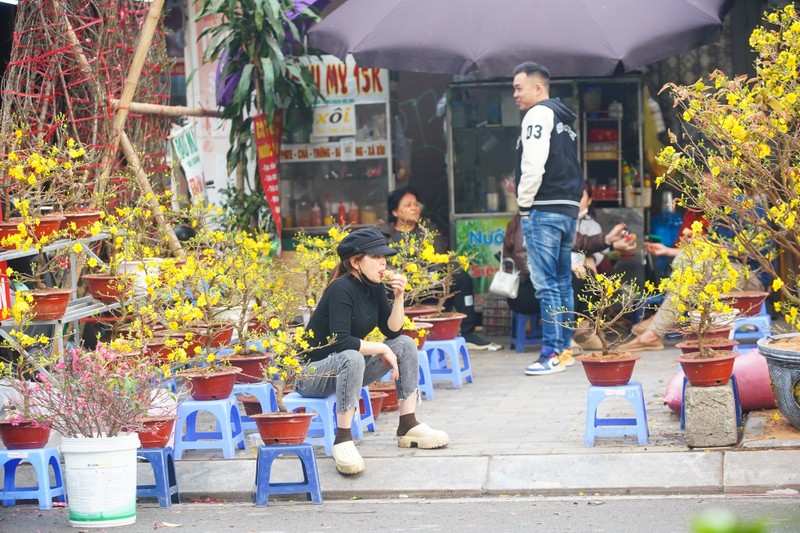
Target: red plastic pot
<point>419,334</point>
<point>211,385</point>
<point>25,435</point>
<point>747,302</point>
<point>390,402</point>
<point>708,372</point>
<point>107,288</point>
<point>283,428</point>
<point>717,333</point>
<point>444,327</point>
<point>157,432</point>
<point>420,310</point>
<point>719,345</point>
<point>50,304</point>
<point>375,401</point>
<point>610,372</point>
<point>251,366</point>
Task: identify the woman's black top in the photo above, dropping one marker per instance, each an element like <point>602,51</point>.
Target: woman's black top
<point>349,309</point>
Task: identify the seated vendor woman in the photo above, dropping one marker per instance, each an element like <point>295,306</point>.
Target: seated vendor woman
<point>352,305</point>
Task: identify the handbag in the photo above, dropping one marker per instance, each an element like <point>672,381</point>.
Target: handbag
<point>506,283</point>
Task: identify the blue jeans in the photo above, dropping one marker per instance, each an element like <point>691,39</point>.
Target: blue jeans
<point>549,238</point>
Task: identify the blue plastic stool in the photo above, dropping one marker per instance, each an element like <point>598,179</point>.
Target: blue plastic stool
<point>41,459</point>
<point>456,351</point>
<point>737,405</point>
<point>519,336</point>
<point>322,430</point>
<point>425,378</point>
<point>228,433</point>
<point>309,486</point>
<point>166,483</point>
<point>762,324</point>
<point>266,396</point>
<point>366,418</point>
<point>616,427</point>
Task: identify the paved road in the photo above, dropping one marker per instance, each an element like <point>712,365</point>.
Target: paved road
<point>653,514</point>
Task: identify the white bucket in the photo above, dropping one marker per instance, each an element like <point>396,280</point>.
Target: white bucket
<point>139,271</point>
<point>100,476</point>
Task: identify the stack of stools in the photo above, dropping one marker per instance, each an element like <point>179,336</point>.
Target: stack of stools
<point>309,486</point>
<point>616,427</point>
<point>748,329</point>
<point>42,459</point>
<point>162,461</point>
<point>322,430</point>
<point>520,338</point>
<point>227,436</point>
<point>459,370</point>
<point>265,393</point>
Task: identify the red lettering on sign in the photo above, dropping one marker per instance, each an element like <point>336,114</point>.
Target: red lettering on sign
<point>342,72</point>
<point>377,86</point>
<point>331,80</point>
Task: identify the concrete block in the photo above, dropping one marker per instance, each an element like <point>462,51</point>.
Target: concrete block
<point>710,416</point>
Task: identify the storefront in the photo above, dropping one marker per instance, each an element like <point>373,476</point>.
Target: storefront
<point>483,127</point>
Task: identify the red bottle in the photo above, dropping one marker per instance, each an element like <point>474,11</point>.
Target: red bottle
<point>341,218</point>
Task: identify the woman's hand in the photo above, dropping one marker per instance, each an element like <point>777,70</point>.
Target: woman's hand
<point>398,284</point>
<point>390,360</point>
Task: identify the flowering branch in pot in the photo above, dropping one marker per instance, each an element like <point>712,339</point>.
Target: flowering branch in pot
<point>608,300</point>
<point>700,276</point>
<point>414,260</point>
<point>314,259</point>
<point>89,394</point>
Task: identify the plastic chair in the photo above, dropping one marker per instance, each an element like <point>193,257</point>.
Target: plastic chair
<point>265,393</point>
<point>322,430</point>
<point>41,459</point>
<point>228,433</point>
<point>606,427</point>
<point>519,336</point>
<point>162,460</point>
<point>309,486</point>
<point>456,351</point>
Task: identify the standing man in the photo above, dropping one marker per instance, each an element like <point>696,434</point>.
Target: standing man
<point>549,189</point>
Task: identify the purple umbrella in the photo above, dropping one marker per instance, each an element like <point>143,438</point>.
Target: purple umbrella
<point>488,39</point>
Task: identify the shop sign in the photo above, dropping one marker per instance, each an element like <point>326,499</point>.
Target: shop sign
<point>344,82</point>
<point>334,121</point>
<point>481,238</point>
<point>267,138</point>
<point>332,151</point>
<point>184,146</point>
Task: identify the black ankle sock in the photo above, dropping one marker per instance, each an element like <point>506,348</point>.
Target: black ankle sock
<point>342,435</point>
<point>406,423</point>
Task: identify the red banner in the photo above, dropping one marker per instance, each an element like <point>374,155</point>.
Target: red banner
<point>267,151</point>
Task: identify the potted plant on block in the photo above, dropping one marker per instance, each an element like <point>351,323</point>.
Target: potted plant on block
<point>700,275</point>
<point>608,299</point>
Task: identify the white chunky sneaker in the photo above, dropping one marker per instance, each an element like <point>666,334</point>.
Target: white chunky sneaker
<point>348,460</point>
<point>425,437</point>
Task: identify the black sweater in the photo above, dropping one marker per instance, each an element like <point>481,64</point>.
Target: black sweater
<point>349,309</point>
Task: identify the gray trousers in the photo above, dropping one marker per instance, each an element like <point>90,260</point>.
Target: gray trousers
<point>344,373</point>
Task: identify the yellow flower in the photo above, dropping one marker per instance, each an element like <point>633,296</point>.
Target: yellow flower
<point>777,283</point>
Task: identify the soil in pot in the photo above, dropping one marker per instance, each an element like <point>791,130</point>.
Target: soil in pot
<point>709,369</point>
<point>420,310</point>
<point>157,431</point>
<point>25,435</point>
<point>721,345</point>
<point>716,333</point>
<point>608,370</point>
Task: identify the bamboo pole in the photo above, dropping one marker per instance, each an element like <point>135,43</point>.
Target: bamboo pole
<point>167,110</point>
<point>144,185</point>
<point>121,115</point>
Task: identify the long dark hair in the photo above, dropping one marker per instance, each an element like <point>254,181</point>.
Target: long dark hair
<point>344,268</point>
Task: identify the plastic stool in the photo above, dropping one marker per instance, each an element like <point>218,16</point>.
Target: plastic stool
<point>266,396</point>
<point>309,486</point>
<point>737,405</point>
<point>166,487</point>
<point>762,323</point>
<point>226,411</point>
<point>323,426</point>
<point>519,324</point>
<point>605,427</point>
<point>366,418</point>
<point>425,381</point>
<point>40,459</point>
<point>453,348</point>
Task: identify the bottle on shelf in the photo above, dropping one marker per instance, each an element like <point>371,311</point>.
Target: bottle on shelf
<point>354,214</point>
<point>341,217</point>
<point>316,215</point>
<point>327,206</point>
